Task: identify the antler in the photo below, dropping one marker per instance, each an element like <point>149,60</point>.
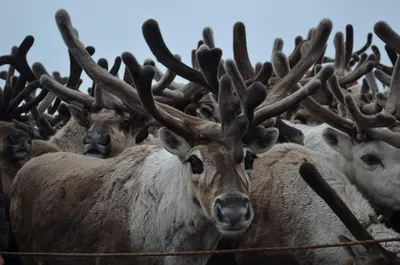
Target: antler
<point>313,178</point>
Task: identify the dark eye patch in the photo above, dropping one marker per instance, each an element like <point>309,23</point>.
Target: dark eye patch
<point>249,160</point>
<point>196,164</point>
<point>125,126</point>
<point>371,160</point>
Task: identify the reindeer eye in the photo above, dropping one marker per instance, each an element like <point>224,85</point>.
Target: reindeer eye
<point>249,160</point>
<point>125,126</point>
<point>371,160</point>
<point>195,164</point>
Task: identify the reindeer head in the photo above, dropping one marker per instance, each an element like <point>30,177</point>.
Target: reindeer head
<point>15,144</point>
<point>109,132</point>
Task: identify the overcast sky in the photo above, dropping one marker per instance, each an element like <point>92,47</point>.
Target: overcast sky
<point>114,27</point>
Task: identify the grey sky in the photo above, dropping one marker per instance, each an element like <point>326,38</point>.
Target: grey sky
<point>114,27</point>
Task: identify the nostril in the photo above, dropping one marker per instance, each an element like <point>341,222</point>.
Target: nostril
<point>105,140</point>
<point>86,140</point>
<point>29,141</point>
<point>13,140</point>
<point>248,212</point>
<point>108,139</point>
<point>220,216</point>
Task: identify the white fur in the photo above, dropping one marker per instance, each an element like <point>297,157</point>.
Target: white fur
<point>293,214</point>
<point>381,185</point>
<point>169,209</point>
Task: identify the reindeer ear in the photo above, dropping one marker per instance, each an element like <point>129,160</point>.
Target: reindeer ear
<point>174,143</point>
<point>338,141</point>
<point>206,112</point>
<point>79,114</point>
<point>264,141</point>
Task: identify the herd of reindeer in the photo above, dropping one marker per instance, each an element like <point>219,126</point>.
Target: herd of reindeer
<point>300,150</point>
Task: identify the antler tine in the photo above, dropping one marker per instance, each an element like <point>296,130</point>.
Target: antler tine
<point>390,137</point>
<point>39,70</point>
<point>317,45</point>
<point>233,127</point>
<point>295,56</point>
<point>99,75</point>
<point>364,87</point>
<point>250,97</point>
<point>383,77</point>
<point>265,74</point>
<point>162,94</point>
<point>209,60</point>
<point>18,60</point>
<point>73,82</point>
<point>7,96</point>
<point>340,54</point>
<point>152,34</point>
<point>159,76</point>
<point>257,68</point>
<point>173,119</point>
<point>357,73</point>
<point>75,70</point>
<point>328,116</point>
<point>240,52</point>
<point>65,93</point>
<point>387,35</point>
<point>377,53</point>
<point>278,45</point>
<point>393,102</point>
<point>373,85</point>
<point>164,82</point>
<point>208,37</point>
<point>116,66</point>
<point>366,45</point>
<point>31,105</point>
<point>103,63</point>
<point>391,53</point>
<point>315,180</point>
<point>336,90</point>
<point>281,106</point>
<point>378,64</point>
<point>22,95</point>
<point>349,44</point>
<point>11,69</point>
<point>57,76</point>
<point>365,122</point>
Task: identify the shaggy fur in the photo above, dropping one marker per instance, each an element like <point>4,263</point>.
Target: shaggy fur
<point>380,184</point>
<point>289,213</point>
<point>145,199</point>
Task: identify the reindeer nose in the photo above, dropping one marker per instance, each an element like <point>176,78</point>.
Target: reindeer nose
<point>93,137</point>
<point>233,210</point>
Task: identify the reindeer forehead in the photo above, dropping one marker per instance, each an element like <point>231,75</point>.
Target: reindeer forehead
<point>108,115</point>
<point>379,147</point>
<point>8,127</point>
<point>216,154</point>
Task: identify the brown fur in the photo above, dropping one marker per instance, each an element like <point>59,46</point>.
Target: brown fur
<point>71,203</point>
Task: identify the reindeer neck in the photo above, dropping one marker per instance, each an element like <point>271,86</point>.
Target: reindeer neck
<point>164,215</point>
